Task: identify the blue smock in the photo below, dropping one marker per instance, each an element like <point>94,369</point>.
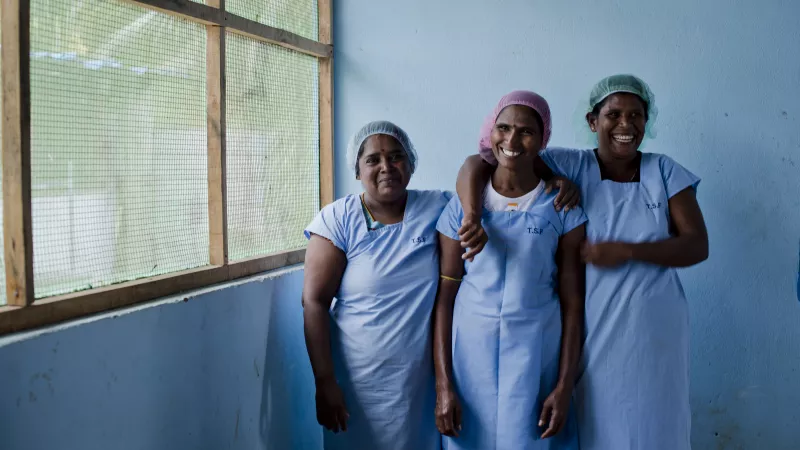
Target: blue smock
<point>633,393</point>
<point>381,323</point>
<point>506,338</point>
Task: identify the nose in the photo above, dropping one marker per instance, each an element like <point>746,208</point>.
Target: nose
<point>385,164</point>
<point>512,138</point>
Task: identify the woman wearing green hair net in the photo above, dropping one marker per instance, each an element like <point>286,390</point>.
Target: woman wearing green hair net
<point>644,222</point>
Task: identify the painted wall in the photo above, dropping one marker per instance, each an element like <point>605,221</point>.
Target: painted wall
<point>727,81</point>
<point>226,369</point>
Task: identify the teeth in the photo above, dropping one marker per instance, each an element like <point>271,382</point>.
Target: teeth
<point>623,138</point>
<point>509,153</point>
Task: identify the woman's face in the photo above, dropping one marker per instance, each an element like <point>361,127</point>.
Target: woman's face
<point>384,169</point>
<point>517,137</point>
<point>619,124</point>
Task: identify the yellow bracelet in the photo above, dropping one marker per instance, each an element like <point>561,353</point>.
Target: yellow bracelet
<point>445,277</point>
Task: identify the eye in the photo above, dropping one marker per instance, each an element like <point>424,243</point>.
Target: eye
<point>613,115</point>
<point>371,160</point>
<point>397,157</point>
<point>502,127</point>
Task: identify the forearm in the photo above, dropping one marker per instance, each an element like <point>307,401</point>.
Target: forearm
<point>443,333</point>
<point>316,324</point>
<point>473,176</point>
<point>542,170</point>
<point>679,251</point>
<point>571,337</point>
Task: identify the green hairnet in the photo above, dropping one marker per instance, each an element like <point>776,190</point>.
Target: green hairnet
<point>615,84</point>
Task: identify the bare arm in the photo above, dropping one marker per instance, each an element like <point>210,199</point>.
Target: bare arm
<point>571,291</point>
<point>689,246</point>
<point>324,267</point>
<point>473,176</point>
<point>448,410</point>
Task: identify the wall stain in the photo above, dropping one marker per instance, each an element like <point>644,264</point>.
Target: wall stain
<point>31,397</point>
<point>255,366</point>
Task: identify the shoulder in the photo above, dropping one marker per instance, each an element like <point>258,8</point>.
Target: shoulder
<point>567,154</point>
<point>569,162</point>
<point>430,199</point>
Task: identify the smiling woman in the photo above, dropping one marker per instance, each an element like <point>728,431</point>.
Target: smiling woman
<point>369,286</point>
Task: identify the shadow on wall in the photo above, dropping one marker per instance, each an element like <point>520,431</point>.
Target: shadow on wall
<point>287,397</point>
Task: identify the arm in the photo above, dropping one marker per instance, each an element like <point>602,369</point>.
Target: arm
<point>448,411</point>
<point>571,291</point>
<point>324,267</point>
<point>688,247</point>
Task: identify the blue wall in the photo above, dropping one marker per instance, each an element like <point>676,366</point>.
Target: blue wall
<point>226,369</point>
<point>727,81</point>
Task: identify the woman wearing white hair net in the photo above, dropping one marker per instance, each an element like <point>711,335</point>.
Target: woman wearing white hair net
<point>376,254</point>
<point>371,273</point>
<point>644,222</point>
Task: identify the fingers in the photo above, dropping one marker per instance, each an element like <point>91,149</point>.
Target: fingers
<point>444,422</point>
<point>474,250</point>
<point>544,417</point>
<point>341,418</point>
<point>571,199</point>
<point>556,423</point>
<point>467,231</point>
<point>458,421</point>
<point>472,237</point>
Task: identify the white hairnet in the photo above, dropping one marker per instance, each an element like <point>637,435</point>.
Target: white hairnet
<point>612,85</point>
<point>380,127</point>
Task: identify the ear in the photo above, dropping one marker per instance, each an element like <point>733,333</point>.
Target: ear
<point>591,119</point>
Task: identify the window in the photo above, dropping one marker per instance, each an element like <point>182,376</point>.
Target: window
<point>157,146</point>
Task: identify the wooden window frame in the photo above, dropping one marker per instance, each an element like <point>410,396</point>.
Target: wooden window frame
<point>23,311</point>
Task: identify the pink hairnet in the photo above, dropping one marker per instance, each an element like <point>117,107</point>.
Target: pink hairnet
<point>524,98</point>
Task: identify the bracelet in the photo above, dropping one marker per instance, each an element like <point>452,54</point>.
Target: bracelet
<point>445,277</point>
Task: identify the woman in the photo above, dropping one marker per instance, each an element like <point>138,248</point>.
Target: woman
<point>376,253</point>
<point>504,375</point>
<point>644,221</point>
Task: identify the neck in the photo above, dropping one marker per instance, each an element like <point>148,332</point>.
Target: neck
<point>386,212</point>
<point>618,167</point>
<point>512,183</point>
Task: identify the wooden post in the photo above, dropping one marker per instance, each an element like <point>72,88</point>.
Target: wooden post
<point>215,98</point>
<point>326,183</point>
<point>16,149</point>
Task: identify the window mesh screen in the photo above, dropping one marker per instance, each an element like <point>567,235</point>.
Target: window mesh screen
<point>2,239</point>
<point>118,137</point>
<point>296,16</point>
<point>272,146</point>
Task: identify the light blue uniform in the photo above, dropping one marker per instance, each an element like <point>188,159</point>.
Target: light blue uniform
<point>507,328</point>
<point>633,393</point>
<point>381,323</point>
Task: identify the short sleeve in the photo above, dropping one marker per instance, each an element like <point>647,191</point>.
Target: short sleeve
<point>572,219</point>
<point>450,220</point>
<point>676,177</point>
<point>329,223</point>
<point>562,161</point>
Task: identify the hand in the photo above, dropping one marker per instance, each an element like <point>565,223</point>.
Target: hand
<point>606,254</point>
<point>331,411</point>
<point>554,412</point>
<point>568,193</point>
<point>448,412</point>
<point>472,236</point>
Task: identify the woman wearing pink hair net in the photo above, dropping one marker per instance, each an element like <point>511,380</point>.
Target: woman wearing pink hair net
<point>644,222</point>
<point>504,374</point>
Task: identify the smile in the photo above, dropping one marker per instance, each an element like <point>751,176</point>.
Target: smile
<point>623,138</point>
<point>509,153</point>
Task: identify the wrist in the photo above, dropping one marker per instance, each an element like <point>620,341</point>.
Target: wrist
<point>324,379</point>
<point>443,384</point>
<point>629,251</point>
